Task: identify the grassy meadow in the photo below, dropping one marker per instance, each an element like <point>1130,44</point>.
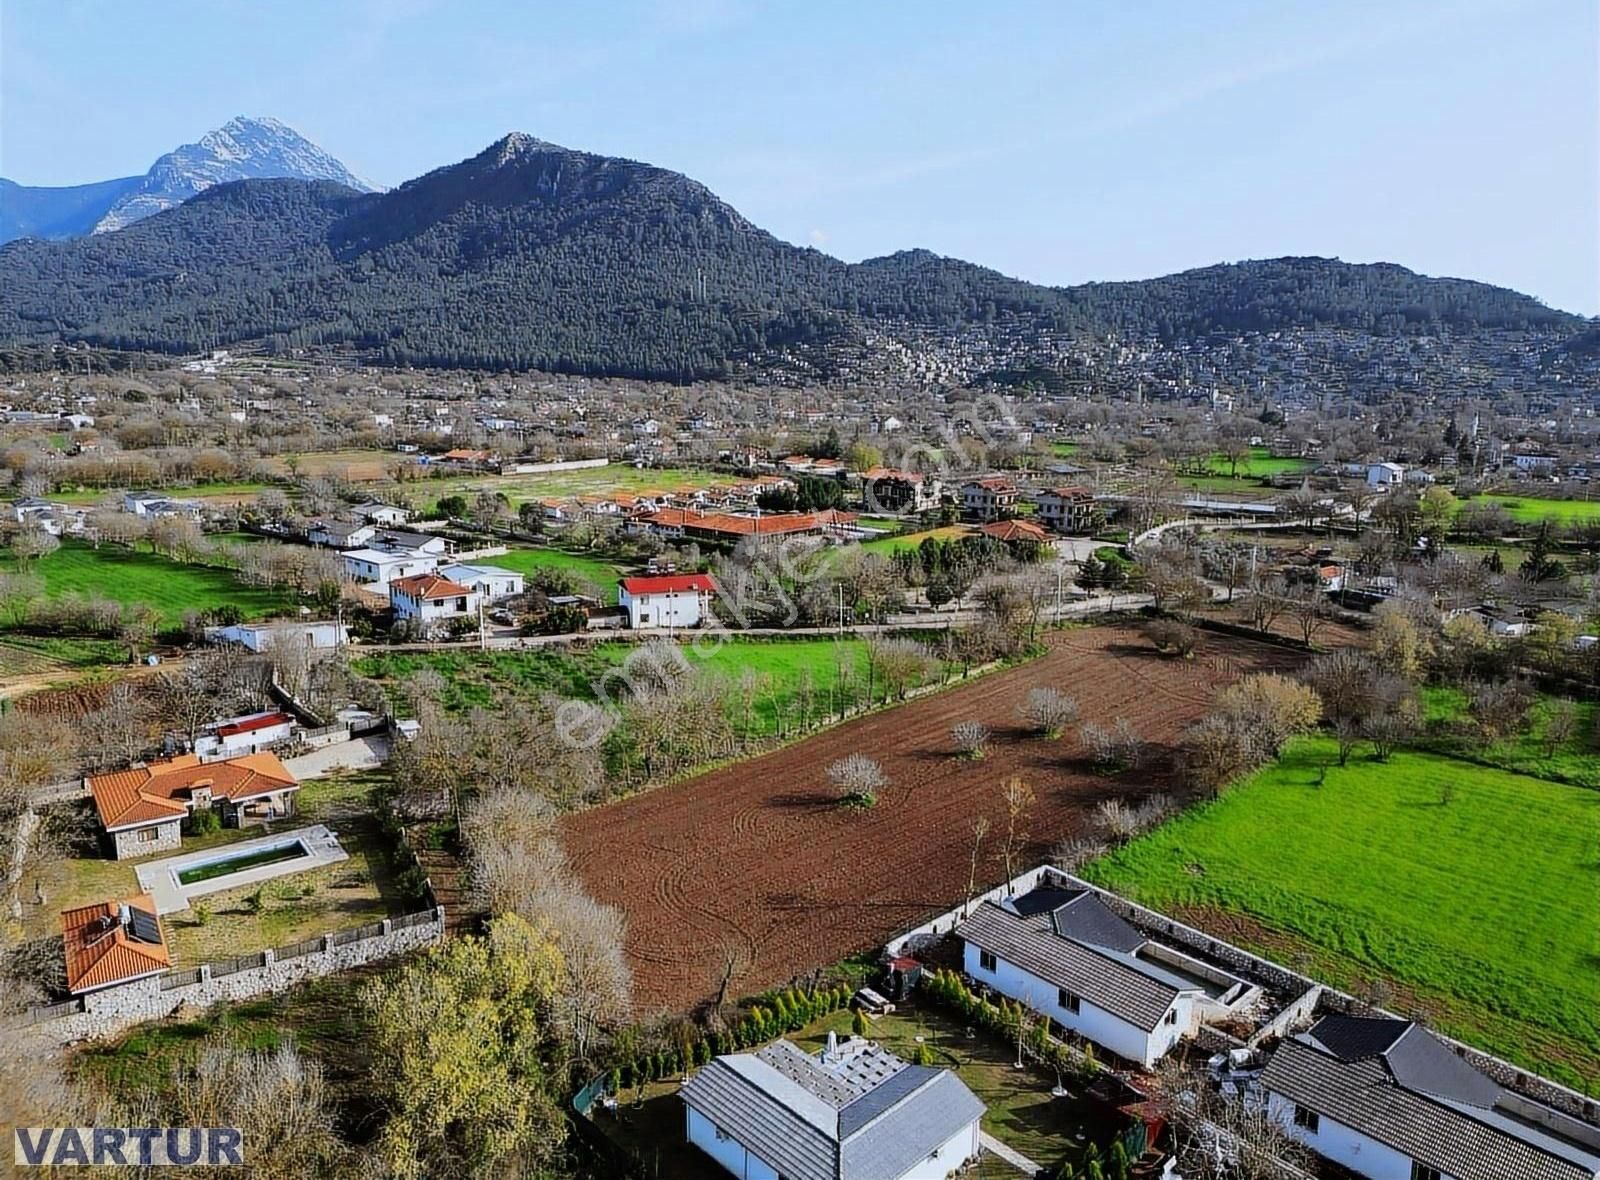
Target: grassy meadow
<point>782,669</point>
<point>129,577</point>
<point>1472,889</point>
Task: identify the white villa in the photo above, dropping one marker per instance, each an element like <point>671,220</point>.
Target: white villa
<point>1066,955</point>
<point>673,600</point>
<point>490,581</point>
<point>854,1111</point>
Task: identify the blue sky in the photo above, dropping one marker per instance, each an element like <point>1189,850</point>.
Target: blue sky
<point>1058,140</point>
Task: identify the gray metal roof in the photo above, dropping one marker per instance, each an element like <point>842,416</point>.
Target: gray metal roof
<point>864,1115</point>
<point>1110,979</point>
<point>1347,1072</point>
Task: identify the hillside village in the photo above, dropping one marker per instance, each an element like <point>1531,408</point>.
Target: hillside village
<point>882,707</point>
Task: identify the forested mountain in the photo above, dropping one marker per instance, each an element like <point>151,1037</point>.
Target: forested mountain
<point>241,149</point>
<point>530,255</point>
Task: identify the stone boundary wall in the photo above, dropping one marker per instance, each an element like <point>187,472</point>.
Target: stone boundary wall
<point>107,1012</point>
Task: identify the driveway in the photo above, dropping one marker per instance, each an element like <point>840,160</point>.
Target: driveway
<point>365,753</point>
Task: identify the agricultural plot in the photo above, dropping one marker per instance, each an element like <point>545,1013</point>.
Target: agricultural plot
<point>782,670</point>
<point>756,865</point>
<point>587,481</point>
<point>226,492</point>
<point>171,587</point>
<point>1470,889</point>
<point>36,656</point>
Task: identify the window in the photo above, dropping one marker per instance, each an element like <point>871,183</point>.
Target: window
<point>1309,1119</point>
<point>149,835</point>
<point>1172,1016</point>
<point>987,961</point>
<point>1423,1172</point>
<point>1067,1001</point>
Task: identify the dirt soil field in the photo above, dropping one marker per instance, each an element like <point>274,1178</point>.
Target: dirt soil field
<point>755,863</point>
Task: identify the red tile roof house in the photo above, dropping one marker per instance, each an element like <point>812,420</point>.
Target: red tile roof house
<point>142,809</point>
<point>674,600</point>
<point>430,599</point>
<point>248,734</point>
<point>111,943</point>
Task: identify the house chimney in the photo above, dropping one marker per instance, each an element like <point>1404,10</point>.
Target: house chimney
<point>830,1049</point>
<point>124,916</point>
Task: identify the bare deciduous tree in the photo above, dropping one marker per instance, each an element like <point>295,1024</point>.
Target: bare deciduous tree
<point>1048,711</point>
<point>1018,797</point>
<point>857,780</point>
<point>970,737</point>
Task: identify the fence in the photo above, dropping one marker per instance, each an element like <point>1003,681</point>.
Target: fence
<point>51,1011</point>
<point>294,950</point>
<point>239,963</point>
<point>174,979</point>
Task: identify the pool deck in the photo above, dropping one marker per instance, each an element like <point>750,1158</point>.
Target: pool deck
<point>159,878</point>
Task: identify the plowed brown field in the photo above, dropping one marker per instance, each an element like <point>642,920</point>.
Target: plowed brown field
<point>755,861</point>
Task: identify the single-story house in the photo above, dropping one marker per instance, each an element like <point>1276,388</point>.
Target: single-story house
<point>1015,532</point>
<point>1388,1100</point>
<point>490,581</point>
<point>1065,954</point>
<point>429,599</point>
<point>387,514</point>
<point>405,541</point>
<point>379,567</point>
<point>673,600</point>
<point>142,809</point>
<point>156,504</point>
<point>341,534</point>
<point>113,942</point>
<point>248,734</point>
<point>260,637</point>
<point>854,1111</point>
<point>1385,475</point>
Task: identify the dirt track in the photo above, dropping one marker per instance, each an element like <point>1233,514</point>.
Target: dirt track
<point>756,861</point>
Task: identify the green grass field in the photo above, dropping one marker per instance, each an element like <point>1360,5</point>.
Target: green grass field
<point>601,574</point>
<point>221,492</point>
<point>595,481</point>
<point>1575,760</point>
<point>887,545</point>
<point>169,586</point>
<point>34,655</point>
<point>1480,908</point>
<point>782,666</point>
<point>1531,509</point>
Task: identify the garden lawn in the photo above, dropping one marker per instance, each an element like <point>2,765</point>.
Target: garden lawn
<point>781,666</point>
<point>601,574</point>
<point>1482,907</point>
<point>889,545</point>
<point>170,587</point>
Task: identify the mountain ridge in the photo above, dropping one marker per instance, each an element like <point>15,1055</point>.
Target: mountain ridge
<point>241,149</point>
<point>532,255</point>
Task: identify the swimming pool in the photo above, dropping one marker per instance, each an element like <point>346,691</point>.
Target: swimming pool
<point>254,859</point>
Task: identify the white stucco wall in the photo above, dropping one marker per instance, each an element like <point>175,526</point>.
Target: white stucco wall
<point>1343,1145</point>
<point>680,609</point>
<point>1090,1022</point>
<point>730,1153</point>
